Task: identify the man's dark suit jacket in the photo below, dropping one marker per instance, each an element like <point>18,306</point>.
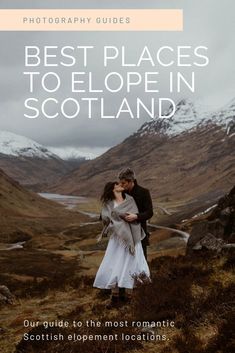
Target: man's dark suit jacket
<point>144,203</point>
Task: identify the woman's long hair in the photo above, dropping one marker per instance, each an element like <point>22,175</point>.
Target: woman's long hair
<point>108,194</point>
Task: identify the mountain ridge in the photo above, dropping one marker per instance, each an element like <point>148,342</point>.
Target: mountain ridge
<point>202,157</point>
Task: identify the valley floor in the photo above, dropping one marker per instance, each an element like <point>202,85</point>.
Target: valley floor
<point>52,276</point>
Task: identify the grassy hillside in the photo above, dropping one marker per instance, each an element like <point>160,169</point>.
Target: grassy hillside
<point>195,293</point>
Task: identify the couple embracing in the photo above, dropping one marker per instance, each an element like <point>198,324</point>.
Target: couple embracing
<point>126,208</point>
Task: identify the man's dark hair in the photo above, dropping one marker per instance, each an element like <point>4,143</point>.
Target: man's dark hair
<point>127,174</point>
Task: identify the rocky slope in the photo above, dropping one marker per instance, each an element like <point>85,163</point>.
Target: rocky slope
<point>214,230</point>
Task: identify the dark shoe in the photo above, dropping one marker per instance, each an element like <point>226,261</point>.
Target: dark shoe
<point>124,299</point>
<point>122,292</point>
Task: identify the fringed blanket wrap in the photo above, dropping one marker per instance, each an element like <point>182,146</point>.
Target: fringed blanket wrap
<point>128,234</point>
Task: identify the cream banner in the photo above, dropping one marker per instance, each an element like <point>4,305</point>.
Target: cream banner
<point>91,20</point>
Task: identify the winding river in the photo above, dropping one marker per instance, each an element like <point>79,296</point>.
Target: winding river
<point>69,201</point>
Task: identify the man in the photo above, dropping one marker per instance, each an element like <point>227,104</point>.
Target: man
<point>143,200</point>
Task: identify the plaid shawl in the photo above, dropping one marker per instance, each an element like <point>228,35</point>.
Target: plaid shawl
<point>128,234</point>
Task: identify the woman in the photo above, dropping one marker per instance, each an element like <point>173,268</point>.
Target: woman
<point>124,264</point>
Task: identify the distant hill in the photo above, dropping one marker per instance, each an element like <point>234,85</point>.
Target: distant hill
<point>15,200</point>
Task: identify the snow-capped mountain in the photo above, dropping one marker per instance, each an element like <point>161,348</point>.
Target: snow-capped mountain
<point>73,153</point>
<point>20,146</point>
<point>189,116</point>
<point>30,163</point>
<point>225,117</point>
<point>16,145</point>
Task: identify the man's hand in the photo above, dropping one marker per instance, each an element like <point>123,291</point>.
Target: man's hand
<point>130,217</point>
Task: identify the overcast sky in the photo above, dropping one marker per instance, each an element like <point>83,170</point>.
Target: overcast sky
<point>209,23</point>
